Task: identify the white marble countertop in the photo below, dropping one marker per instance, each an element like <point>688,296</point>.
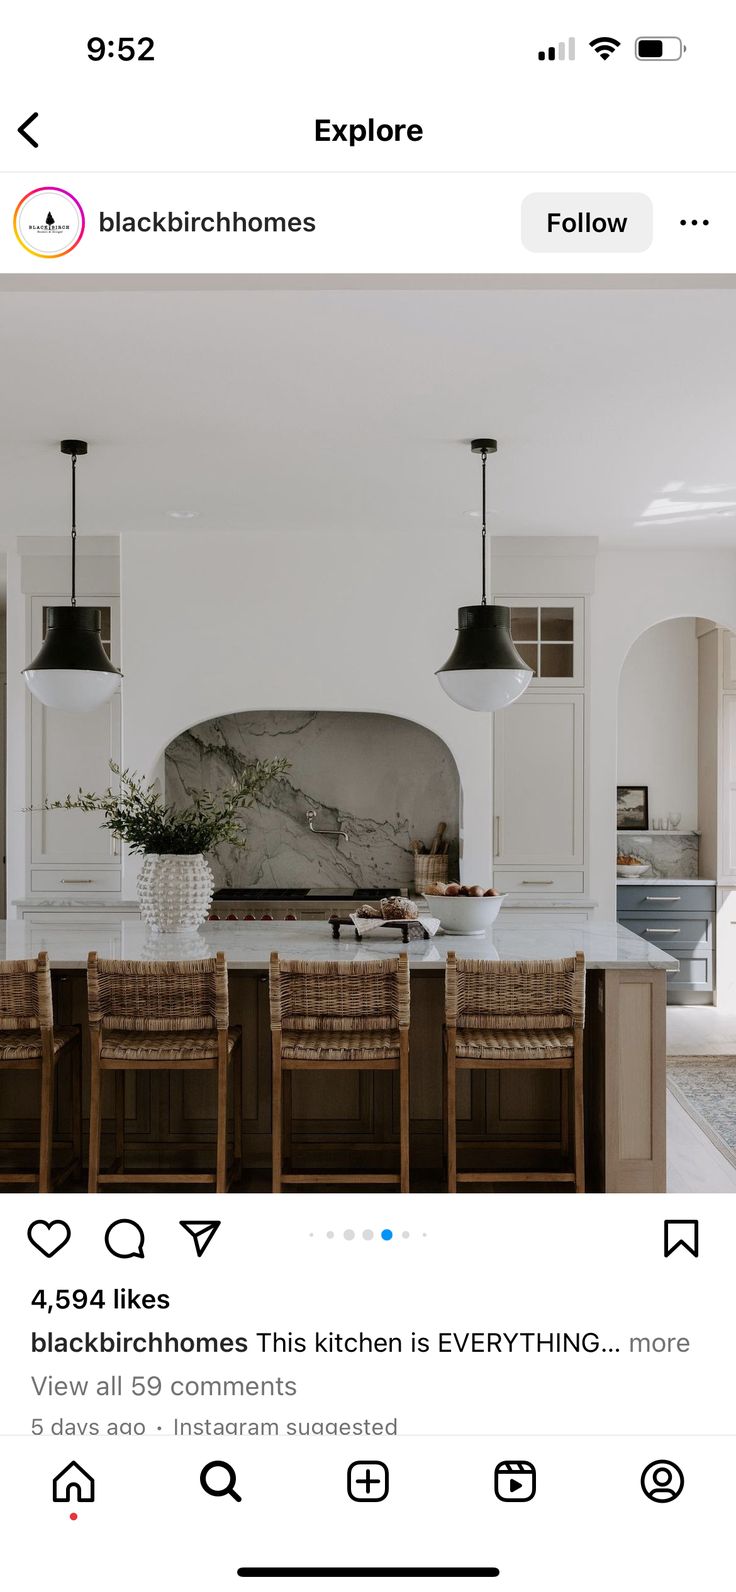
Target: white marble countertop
<point>247,946</point>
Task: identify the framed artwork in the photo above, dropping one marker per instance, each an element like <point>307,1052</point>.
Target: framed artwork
<point>632,807</point>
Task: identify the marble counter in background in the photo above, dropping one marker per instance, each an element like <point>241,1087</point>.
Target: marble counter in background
<point>671,853</point>
<point>383,779</point>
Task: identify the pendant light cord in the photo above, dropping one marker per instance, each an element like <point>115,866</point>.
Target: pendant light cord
<point>484,456</point>
<point>74,530</point>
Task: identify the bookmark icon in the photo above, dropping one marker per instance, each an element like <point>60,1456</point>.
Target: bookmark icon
<point>202,1233</point>
<point>681,1235</point>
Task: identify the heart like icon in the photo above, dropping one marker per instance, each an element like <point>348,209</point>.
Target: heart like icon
<point>49,1237</point>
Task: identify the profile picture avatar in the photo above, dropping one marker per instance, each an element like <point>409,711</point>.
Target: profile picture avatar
<point>49,222</point>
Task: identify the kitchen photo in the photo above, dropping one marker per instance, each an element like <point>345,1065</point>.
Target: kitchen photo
<point>369,734</point>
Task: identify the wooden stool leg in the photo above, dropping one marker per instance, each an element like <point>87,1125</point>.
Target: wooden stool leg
<point>76,1080</point>
<point>46,1125</point>
<point>404,1109</point>
<point>276,1109</point>
<point>579,1129</point>
<point>95,1124</point>
<point>286,1121</point>
<point>451,1113</point>
<point>565,1116</point>
<point>221,1168</point>
<point>120,1119</point>
<point>238,1108</point>
<point>444,1100</point>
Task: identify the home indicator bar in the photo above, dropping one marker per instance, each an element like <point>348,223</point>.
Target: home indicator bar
<point>464,1571</point>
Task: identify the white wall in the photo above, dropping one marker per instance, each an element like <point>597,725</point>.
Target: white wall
<point>232,623</point>
<point>658,720</point>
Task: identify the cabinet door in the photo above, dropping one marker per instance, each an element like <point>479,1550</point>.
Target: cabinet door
<point>538,780</point>
<point>69,750</point>
<point>550,635</point>
<point>729,660</point>
<point>728,774</point>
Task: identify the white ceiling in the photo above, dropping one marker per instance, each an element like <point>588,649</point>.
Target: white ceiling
<point>348,408</point>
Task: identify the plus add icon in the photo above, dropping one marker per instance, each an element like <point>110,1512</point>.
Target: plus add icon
<point>368,1481</point>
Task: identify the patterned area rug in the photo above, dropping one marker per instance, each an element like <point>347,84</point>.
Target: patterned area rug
<point>706,1088</point>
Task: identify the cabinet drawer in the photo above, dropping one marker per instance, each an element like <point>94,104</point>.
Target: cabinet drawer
<point>539,880</point>
<point>668,898</point>
<point>76,880</point>
<point>674,933</point>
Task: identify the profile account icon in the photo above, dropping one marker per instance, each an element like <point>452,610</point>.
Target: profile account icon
<point>74,1485</point>
<point>662,1481</point>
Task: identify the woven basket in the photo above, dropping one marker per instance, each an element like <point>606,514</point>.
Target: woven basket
<point>430,870</point>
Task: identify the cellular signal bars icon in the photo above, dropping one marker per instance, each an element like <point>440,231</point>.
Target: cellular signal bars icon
<point>558,52</point>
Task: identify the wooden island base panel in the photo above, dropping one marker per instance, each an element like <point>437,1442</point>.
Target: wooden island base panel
<point>350,1121</point>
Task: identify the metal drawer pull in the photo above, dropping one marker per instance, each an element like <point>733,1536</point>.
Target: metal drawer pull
<point>77,881</point>
<point>663,931</point>
<point>671,970</point>
<point>537,881</point>
<point>663,898</point>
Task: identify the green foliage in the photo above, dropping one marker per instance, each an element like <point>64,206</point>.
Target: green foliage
<point>137,814</point>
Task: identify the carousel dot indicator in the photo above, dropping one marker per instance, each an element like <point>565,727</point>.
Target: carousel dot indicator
<point>368,1233</point>
<point>348,1233</point>
<point>386,1233</point>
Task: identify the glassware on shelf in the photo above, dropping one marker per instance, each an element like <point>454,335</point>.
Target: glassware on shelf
<point>674,820</point>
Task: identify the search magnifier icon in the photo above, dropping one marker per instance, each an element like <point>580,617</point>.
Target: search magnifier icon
<point>223,1485</point>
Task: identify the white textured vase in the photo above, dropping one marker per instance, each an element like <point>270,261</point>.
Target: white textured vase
<point>174,893</point>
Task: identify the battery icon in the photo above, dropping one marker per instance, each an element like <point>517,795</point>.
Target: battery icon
<point>659,49</point>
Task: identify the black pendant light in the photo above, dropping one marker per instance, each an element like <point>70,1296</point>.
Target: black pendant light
<point>484,670</point>
<point>72,671</point>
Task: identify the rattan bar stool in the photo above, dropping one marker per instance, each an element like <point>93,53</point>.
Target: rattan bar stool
<point>162,1017</point>
<point>30,1043</point>
<point>502,1015</point>
<point>332,1017</point>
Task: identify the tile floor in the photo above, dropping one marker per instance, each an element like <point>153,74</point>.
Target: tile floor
<point>694,1165</point>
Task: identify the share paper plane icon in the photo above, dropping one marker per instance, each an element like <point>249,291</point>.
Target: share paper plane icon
<point>202,1233</point>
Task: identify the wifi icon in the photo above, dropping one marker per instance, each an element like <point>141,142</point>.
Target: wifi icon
<point>604,46</point>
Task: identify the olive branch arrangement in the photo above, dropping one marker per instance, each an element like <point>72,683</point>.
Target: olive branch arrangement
<point>137,814</point>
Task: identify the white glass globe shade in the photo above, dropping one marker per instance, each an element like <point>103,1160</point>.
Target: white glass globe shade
<point>72,690</point>
<point>484,690</point>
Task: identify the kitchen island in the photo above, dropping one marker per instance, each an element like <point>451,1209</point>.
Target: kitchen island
<point>350,1119</point>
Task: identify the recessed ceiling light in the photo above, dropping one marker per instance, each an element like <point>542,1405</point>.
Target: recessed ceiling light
<point>182,514</point>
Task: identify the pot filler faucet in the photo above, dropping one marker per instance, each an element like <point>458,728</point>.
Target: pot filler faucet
<point>337,834</point>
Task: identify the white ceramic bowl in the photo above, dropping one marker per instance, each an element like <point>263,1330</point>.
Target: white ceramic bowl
<point>631,870</point>
<point>465,914</point>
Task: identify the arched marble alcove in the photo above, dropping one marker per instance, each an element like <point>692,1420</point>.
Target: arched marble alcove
<point>385,780</point>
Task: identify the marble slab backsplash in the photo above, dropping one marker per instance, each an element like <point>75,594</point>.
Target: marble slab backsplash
<point>383,779</point>
<point>672,854</point>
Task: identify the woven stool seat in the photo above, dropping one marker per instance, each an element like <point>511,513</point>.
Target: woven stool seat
<point>29,1042</point>
<point>25,1045</point>
<point>346,1017</point>
<point>162,1017</point>
<point>504,1016</point>
<point>122,1044</point>
<point>551,1045</point>
<point>336,1046</point>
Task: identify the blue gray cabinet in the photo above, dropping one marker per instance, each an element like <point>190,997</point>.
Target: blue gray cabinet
<point>679,917</point>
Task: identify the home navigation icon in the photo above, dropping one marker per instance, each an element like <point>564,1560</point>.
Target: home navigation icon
<point>74,1485</point>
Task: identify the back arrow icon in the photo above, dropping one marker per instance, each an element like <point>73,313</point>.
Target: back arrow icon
<point>24,125</point>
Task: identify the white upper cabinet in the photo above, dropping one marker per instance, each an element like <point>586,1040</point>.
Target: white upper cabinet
<point>728,788</point>
<point>550,635</point>
<point>69,750</point>
<point>539,784</point>
<point>729,660</point>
